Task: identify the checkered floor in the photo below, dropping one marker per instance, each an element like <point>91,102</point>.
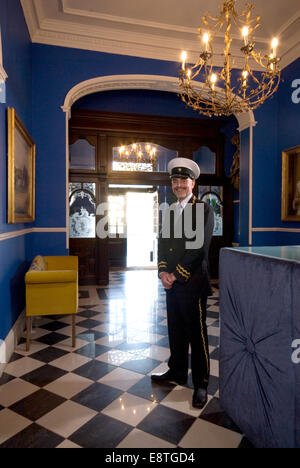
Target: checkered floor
<point>100,394</point>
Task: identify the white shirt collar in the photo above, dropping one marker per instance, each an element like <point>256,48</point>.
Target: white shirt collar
<point>184,202</point>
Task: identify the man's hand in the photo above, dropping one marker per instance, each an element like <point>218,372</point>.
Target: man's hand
<point>167,279</point>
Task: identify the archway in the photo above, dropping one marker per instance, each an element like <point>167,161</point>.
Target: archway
<point>170,84</point>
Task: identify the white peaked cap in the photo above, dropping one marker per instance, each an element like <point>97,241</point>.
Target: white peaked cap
<point>183,167</point>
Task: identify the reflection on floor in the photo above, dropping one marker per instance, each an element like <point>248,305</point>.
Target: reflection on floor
<point>101,394</point>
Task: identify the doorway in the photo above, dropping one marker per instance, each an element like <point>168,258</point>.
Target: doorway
<point>120,153</point>
<point>133,227</point>
<point>142,216</point>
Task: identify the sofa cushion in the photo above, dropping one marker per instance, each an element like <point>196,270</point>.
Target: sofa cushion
<point>38,264</point>
<point>45,277</point>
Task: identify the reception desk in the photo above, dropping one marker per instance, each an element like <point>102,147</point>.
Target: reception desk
<point>260,326</point>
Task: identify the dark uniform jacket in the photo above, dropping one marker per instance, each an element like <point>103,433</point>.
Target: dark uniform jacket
<point>190,266</point>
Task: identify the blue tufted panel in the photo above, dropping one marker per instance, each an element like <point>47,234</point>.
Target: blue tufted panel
<point>257,376</point>
<point>296,336</point>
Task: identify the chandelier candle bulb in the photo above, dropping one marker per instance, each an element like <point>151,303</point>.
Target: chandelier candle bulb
<point>274,45</point>
<point>183,59</point>
<point>245,76</point>
<point>245,34</point>
<point>213,80</point>
<point>205,39</point>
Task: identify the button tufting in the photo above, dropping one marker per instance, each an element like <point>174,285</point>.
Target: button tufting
<point>250,346</point>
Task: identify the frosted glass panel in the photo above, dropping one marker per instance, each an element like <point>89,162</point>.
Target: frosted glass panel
<point>214,197</point>
<point>82,155</point>
<point>82,215</point>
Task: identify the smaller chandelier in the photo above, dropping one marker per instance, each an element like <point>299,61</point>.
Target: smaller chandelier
<point>137,153</point>
<point>238,91</point>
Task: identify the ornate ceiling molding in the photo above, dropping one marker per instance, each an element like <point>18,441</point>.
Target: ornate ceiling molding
<point>140,38</point>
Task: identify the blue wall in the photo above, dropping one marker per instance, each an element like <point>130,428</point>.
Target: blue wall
<point>39,78</point>
<point>56,71</point>
<point>278,128</point>
<point>17,64</point>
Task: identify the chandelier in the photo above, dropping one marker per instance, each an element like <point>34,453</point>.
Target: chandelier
<point>239,91</point>
<point>137,153</point>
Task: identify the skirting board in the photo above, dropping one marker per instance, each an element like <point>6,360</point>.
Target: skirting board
<point>8,346</point>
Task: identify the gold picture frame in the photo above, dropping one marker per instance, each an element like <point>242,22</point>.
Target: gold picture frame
<point>291,184</point>
<point>21,171</point>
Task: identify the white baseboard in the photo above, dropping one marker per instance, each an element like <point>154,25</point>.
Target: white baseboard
<point>8,346</point>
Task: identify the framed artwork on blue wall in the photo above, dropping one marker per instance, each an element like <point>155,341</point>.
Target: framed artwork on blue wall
<point>21,172</point>
<point>291,184</point>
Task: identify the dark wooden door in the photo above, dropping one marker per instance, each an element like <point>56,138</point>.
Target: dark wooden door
<point>85,194</point>
<point>219,194</point>
<point>94,139</point>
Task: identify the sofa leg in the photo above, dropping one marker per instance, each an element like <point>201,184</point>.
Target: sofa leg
<point>73,331</point>
<point>28,330</point>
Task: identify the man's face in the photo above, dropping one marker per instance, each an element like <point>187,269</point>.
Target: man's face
<point>182,188</point>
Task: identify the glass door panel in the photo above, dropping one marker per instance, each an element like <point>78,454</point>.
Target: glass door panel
<point>82,211</point>
<point>213,195</point>
<point>82,229</point>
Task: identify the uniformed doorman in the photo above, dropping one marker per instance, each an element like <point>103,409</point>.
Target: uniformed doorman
<point>184,275</point>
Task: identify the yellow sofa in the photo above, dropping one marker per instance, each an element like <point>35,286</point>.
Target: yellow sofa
<point>51,289</point>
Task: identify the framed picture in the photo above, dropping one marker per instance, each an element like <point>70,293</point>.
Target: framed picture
<point>291,184</point>
<point>21,172</point>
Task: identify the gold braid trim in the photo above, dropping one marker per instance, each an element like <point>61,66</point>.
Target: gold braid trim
<point>202,336</point>
<point>185,272</point>
<point>185,276</point>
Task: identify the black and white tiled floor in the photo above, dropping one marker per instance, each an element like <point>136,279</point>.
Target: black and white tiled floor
<point>100,394</point>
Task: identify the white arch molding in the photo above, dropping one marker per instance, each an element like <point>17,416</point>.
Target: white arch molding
<point>150,82</point>
<point>147,82</point>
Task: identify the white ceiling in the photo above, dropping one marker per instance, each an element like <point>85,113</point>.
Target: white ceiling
<point>155,29</point>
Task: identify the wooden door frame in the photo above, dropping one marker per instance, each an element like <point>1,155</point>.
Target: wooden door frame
<point>184,135</point>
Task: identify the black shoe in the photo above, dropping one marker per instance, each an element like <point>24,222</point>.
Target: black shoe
<point>168,377</point>
<point>199,397</point>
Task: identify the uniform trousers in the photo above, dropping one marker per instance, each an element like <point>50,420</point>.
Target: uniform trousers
<point>186,315</point>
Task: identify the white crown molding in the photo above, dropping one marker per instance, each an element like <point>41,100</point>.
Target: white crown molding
<point>143,23</point>
<point>157,41</point>
<point>122,19</point>
<point>31,16</point>
<point>139,46</point>
<point>291,54</point>
<point>288,24</point>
